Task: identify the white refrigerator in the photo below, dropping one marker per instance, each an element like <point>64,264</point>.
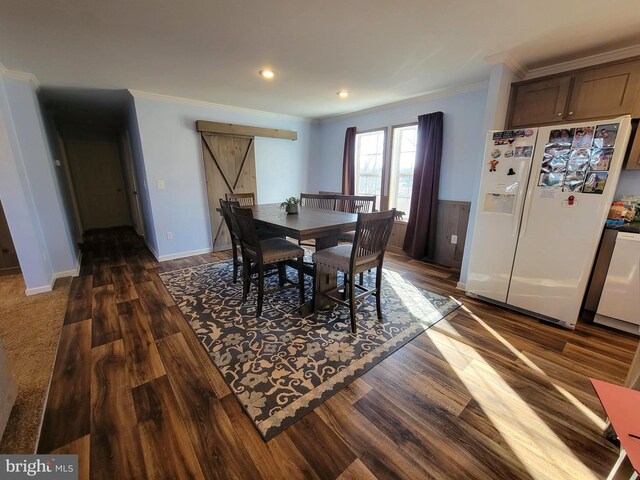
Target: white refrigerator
<point>544,197</point>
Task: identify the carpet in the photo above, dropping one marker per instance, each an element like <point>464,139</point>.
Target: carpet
<point>29,329</point>
<point>282,365</point>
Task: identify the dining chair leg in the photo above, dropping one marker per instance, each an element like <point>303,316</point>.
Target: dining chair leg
<point>260,289</point>
<point>361,278</point>
<point>235,263</point>
<point>352,303</point>
<point>314,295</point>
<point>246,271</point>
<point>379,291</point>
<point>301,278</point>
<point>281,273</point>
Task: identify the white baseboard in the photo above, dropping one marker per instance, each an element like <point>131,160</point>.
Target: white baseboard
<point>42,289</point>
<point>151,249</point>
<point>461,286</point>
<point>69,273</point>
<point>173,256</point>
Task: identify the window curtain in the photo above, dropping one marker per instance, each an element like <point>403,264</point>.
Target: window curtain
<point>349,162</point>
<point>420,239</point>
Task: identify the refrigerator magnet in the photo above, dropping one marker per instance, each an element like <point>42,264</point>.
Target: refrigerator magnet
<point>551,179</point>
<point>600,159</point>
<point>493,164</point>
<point>582,137</point>
<point>523,151</point>
<point>495,153</point>
<point>595,182</point>
<point>605,135</point>
<point>562,136</point>
<point>511,172</point>
<point>573,182</point>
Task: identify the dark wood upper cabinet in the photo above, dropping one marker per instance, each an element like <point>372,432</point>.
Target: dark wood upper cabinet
<point>589,93</point>
<point>633,154</point>
<point>605,91</point>
<point>539,102</point>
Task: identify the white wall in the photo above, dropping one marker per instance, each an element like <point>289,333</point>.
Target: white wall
<point>29,189</point>
<point>168,147</point>
<point>463,136</point>
<point>629,183</point>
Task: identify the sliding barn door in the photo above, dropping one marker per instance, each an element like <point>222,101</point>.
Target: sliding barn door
<point>229,167</point>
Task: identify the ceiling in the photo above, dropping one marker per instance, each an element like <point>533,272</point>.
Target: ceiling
<point>380,51</point>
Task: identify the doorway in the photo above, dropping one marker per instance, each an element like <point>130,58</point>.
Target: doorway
<point>97,175</point>
<point>9,264</point>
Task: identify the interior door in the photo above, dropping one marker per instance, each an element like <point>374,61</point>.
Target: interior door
<point>230,167</point>
<point>97,177</point>
<point>8,258</point>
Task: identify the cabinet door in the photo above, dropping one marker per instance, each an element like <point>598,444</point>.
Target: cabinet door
<point>633,161</point>
<point>605,91</point>
<point>540,102</point>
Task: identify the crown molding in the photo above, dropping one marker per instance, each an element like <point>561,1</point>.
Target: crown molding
<point>432,95</point>
<point>510,61</point>
<point>591,60</point>
<point>23,76</point>
<point>218,106</point>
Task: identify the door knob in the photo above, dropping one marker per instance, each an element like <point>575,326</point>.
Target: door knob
<point>559,114</point>
<point>570,113</point>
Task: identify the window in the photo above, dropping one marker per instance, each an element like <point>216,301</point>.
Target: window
<point>387,175</point>
<point>369,163</point>
<point>403,159</point>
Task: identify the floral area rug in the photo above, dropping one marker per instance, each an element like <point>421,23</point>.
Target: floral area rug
<point>282,365</point>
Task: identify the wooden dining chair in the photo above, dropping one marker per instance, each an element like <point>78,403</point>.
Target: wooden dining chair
<point>263,234</point>
<point>354,204</point>
<point>316,200</point>
<point>244,199</point>
<point>367,252</point>
<point>263,253</point>
<point>225,208</point>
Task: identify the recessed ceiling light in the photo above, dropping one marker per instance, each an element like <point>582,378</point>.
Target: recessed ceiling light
<point>343,94</point>
<point>268,74</point>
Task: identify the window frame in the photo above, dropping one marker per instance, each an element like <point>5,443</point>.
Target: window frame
<point>387,154</point>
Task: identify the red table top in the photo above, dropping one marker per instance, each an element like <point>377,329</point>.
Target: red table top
<point>622,405</point>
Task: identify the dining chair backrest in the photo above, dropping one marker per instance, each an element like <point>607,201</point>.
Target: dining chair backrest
<point>245,199</point>
<point>225,208</point>
<point>315,200</point>
<point>355,203</point>
<point>321,192</point>
<point>247,233</point>
<point>372,235</point>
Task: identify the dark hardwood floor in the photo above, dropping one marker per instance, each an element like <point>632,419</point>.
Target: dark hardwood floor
<point>486,393</point>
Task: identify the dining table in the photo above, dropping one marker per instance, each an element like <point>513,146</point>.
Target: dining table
<point>323,226</point>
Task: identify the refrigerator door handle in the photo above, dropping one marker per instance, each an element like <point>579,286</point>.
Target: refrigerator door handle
<point>527,211</point>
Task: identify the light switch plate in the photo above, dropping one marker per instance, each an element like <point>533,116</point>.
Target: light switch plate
<point>161,185</point>
<point>454,239</point>
<point>169,235</point>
